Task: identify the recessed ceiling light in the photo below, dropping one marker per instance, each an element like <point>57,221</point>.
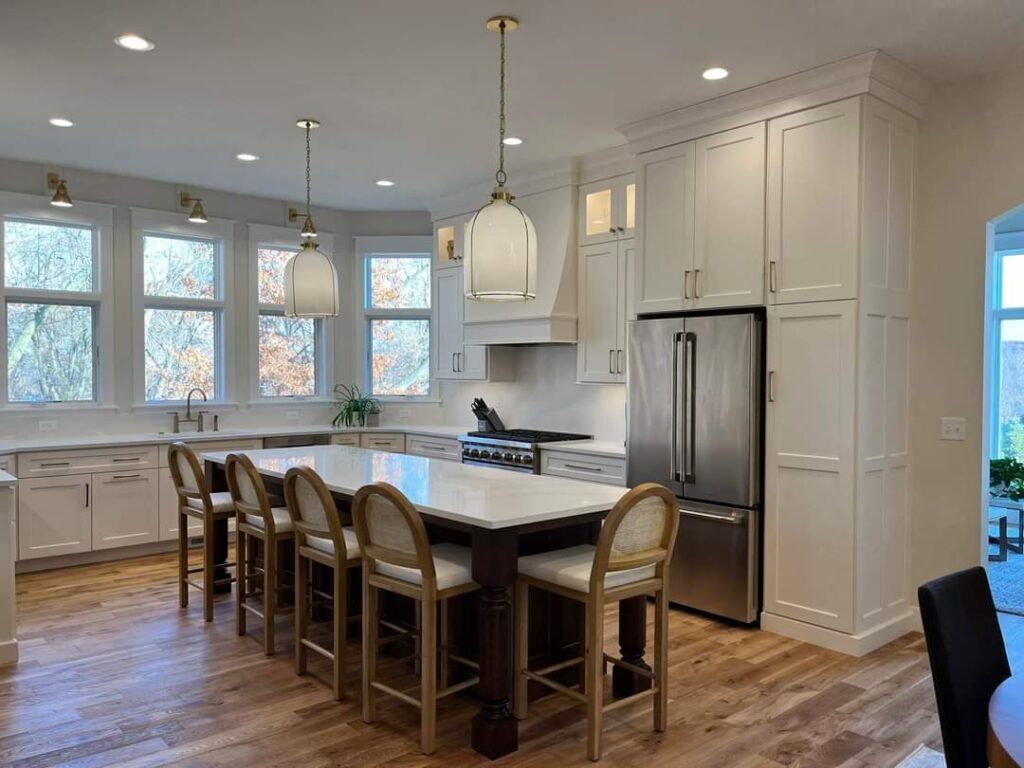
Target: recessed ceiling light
<point>512,141</point>
<point>247,157</point>
<point>134,42</point>
<point>715,73</point>
<point>61,122</point>
<point>385,183</point>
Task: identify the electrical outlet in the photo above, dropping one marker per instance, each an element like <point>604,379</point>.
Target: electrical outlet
<point>954,428</point>
<point>47,426</point>
<point>404,413</point>
<point>292,415</point>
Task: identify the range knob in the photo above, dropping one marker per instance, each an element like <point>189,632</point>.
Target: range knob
<point>509,457</point>
<point>466,452</point>
<point>474,453</point>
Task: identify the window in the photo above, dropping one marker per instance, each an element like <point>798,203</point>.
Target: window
<point>182,278</point>
<point>396,312</point>
<point>54,305</point>
<point>1008,355</point>
<point>288,348</point>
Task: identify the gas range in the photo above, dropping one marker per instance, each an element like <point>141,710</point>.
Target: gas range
<point>515,449</point>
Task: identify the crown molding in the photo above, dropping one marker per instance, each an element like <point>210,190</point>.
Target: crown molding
<point>874,72</point>
<point>560,173</point>
<point>606,164</point>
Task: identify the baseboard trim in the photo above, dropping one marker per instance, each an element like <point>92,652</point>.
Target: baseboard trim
<point>9,652</point>
<point>852,645</point>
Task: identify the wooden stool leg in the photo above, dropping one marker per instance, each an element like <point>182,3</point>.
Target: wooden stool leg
<point>594,667</point>
<point>183,559</point>
<point>301,611</point>
<point>340,627</point>
<point>444,619</point>
<point>269,592</point>
<point>522,651</point>
<point>428,674</point>
<point>240,581</point>
<point>369,648</point>
<point>661,660</point>
<point>208,576</point>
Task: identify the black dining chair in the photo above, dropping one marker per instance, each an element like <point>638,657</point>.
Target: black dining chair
<point>968,660</point>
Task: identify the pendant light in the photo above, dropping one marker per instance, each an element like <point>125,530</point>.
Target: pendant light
<point>310,281</point>
<point>501,243</point>
<point>61,198</point>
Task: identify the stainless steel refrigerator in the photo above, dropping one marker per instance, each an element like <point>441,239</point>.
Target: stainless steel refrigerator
<point>694,425</point>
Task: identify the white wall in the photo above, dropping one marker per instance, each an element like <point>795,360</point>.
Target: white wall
<point>124,192</point>
<point>971,167</point>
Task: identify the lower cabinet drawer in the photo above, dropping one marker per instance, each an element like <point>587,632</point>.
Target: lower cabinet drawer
<point>433,447</point>
<point>169,509</point>
<point>578,466</point>
<point>383,441</point>
<point>125,508</point>
<point>86,461</point>
<point>54,516</point>
<point>351,440</point>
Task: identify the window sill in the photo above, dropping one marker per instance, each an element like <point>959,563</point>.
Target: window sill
<point>197,405</point>
<point>285,402</point>
<point>25,408</point>
<point>398,400</point>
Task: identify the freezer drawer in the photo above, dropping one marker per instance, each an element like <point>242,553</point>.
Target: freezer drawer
<point>714,566</point>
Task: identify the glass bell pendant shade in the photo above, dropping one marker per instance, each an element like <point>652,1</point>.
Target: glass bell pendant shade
<point>310,284</point>
<point>501,253</point>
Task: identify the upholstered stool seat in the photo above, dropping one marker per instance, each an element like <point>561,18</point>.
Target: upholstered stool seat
<point>220,501</point>
<point>452,567</point>
<point>571,567</point>
<point>282,520</point>
<point>325,545</point>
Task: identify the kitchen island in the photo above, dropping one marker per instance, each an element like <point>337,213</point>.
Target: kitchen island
<point>500,515</point>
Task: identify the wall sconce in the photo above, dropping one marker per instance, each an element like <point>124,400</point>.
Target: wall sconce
<point>60,198</point>
<point>197,215</point>
<point>308,230</point>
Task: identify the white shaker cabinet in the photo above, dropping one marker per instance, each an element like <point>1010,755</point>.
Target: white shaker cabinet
<point>814,203</point>
<point>809,463</point>
<point>607,210</point>
<point>126,508</point>
<point>54,516</point>
<point>664,197</point>
<point>453,360</point>
<point>728,251</point>
<point>603,275</point>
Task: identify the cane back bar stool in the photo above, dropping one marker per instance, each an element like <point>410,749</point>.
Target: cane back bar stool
<point>398,558</point>
<point>257,520</point>
<point>320,538</point>
<point>195,500</point>
<point>631,558</point>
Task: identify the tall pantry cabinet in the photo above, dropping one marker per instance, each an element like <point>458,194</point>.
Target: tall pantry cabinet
<point>837,516</point>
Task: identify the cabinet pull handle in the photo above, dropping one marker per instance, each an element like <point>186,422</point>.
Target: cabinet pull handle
<point>771,386</point>
<point>55,464</point>
<point>126,477</point>
<point>696,283</point>
<point>611,230</point>
<point>133,458</point>
<point>772,277</point>
<point>686,284</point>
<point>427,447</point>
<point>454,367</point>
<point>87,494</point>
<point>611,361</point>
<point>620,354</point>
<point>582,468</point>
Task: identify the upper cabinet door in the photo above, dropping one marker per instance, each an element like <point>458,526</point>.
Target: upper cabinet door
<point>600,313</point>
<point>473,363</point>
<point>449,241</point>
<point>664,196</point>
<point>813,209</point>
<point>729,218</point>
<point>598,212</point>
<point>627,206</point>
<point>448,300</point>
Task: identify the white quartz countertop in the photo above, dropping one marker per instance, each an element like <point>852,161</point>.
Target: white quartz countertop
<point>67,442</point>
<point>478,496</point>
<point>6,479</point>
<point>609,448</point>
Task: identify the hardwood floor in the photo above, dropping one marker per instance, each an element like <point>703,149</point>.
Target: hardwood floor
<point>114,673</point>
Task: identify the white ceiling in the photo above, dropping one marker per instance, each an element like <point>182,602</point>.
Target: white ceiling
<point>406,89</point>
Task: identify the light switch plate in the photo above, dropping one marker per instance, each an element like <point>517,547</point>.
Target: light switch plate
<point>954,428</point>
<point>292,415</point>
<point>404,413</point>
<point>47,426</point>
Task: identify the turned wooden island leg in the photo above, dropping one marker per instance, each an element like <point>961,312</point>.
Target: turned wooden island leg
<point>495,565</point>
<point>218,481</point>
<point>632,643</point>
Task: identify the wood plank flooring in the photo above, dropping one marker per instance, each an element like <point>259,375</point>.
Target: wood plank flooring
<point>114,673</point>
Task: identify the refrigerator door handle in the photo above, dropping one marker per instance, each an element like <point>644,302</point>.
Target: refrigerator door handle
<point>674,450</point>
<point>690,436</point>
<point>730,519</point>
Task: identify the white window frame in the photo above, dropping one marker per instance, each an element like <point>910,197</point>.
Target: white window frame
<point>285,237</point>
<point>397,246</point>
<point>99,218</point>
<point>162,223</point>
<point>1005,247</point>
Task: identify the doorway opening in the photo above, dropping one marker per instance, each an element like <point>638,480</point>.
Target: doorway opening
<point>1003,431</point>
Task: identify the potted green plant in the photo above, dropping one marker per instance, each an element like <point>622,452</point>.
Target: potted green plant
<point>1006,479</point>
<point>355,408</point>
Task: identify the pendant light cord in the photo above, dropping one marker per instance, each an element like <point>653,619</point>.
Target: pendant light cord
<point>500,176</point>
<point>307,169</point>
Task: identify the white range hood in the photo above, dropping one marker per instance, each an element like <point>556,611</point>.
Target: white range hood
<point>548,196</point>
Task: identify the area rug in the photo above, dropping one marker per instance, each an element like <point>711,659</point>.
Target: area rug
<point>924,757</point>
<point>1007,582</point>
